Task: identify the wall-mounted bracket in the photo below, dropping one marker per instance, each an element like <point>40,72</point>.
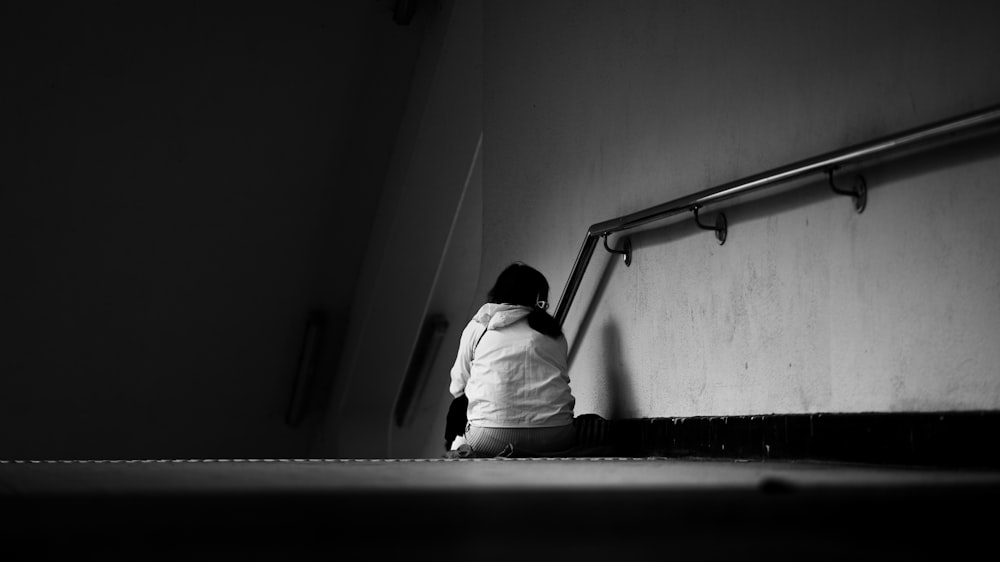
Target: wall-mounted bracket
<point>626,252</point>
<point>721,228</point>
<point>859,193</point>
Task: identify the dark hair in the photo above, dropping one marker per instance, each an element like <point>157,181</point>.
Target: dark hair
<point>524,285</point>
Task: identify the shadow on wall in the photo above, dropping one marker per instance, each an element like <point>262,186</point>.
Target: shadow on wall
<point>616,371</point>
<point>588,315</point>
<point>617,374</point>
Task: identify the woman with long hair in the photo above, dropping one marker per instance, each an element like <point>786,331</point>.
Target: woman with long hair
<point>512,368</point>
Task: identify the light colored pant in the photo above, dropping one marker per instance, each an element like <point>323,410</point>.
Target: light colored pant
<point>532,441</point>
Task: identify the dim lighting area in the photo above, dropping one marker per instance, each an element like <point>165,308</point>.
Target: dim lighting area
<point>588,508</point>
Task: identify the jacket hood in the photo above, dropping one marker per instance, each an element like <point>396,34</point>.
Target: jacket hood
<point>495,316</point>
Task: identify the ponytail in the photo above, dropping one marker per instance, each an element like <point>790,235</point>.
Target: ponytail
<point>541,322</point>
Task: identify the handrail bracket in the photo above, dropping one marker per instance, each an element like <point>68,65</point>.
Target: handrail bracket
<point>626,251</point>
<point>859,191</point>
<point>721,227</point>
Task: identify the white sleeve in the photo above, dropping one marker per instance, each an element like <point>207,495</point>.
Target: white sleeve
<point>462,368</point>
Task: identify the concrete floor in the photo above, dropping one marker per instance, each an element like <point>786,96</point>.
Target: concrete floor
<point>573,509</point>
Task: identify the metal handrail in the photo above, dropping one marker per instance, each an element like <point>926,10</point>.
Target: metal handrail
<point>819,164</point>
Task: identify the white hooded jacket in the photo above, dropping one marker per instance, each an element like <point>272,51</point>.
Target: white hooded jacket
<point>514,376</point>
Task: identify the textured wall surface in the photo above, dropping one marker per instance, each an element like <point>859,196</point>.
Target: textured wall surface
<point>596,109</point>
<point>406,274</point>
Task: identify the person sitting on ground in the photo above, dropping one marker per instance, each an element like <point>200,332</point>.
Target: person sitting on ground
<point>512,368</point>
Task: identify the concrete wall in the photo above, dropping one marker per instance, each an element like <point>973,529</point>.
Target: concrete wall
<point>422,257</point>
<point>453,298</point>
<point>593,110</point>
<point>181,184</point>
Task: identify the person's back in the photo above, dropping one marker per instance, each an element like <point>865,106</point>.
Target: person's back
<point>512,368</point>
<point>519,375</point>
